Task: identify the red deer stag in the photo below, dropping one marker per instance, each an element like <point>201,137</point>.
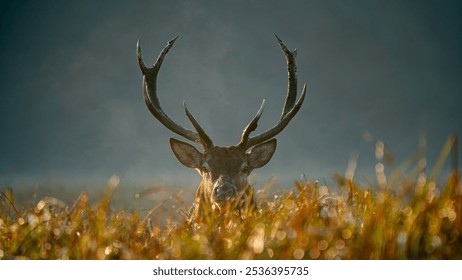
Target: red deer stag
<point>224,170</point>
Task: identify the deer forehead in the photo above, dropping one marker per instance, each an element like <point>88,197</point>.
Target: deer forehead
<point>225,159</point>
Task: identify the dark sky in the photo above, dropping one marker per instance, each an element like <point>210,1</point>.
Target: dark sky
<point>71,107</point>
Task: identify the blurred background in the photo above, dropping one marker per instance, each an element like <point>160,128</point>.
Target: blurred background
<point>72,112</point>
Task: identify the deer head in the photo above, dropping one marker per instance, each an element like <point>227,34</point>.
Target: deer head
<point>224,170</point>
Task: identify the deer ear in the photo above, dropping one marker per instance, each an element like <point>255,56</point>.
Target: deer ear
<point>186,153</point>
<point>261,154</point>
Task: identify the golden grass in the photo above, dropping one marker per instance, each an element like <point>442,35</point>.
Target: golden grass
<point>403,219</point>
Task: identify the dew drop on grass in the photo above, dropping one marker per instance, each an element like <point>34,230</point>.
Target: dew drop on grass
<point>346,234</point>
<point>108,250</point>
<point>436,241</point>
<point>379,150</point>
<point>257,240</point>
<point>339,244</point>
<point>452,215</point>
<point>32,220</point>
<point>40,205</point>
<point>315,253</point>
<point>299,253</point>
<point>113,182</point>
<point>289,204</point>
<point>323,245</point>
<point>323,191</point>
<point>281,235</point>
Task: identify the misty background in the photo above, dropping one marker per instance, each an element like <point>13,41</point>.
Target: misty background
<point>72,111</point>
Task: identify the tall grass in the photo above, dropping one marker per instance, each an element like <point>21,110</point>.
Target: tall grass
<point>396,218</point>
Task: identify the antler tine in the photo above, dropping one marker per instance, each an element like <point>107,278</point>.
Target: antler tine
<point>153,104</point>
<point>206,141</point>
<point>291,105</point>
<point>275,130</point>
<point>251,126</point>
<point>292,77</point>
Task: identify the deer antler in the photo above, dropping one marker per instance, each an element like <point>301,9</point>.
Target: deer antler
<point>150,97</point>
<point>290,108</point>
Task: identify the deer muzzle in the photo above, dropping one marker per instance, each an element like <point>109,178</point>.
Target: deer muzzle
<point>224,190</point>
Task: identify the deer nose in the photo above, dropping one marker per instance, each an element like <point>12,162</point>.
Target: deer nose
<point>224,191</point>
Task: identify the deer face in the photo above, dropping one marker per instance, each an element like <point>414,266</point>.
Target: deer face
<point>224,170</point>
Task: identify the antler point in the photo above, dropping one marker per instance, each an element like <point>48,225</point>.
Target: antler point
<point>173,40</point>
<point>139,58</point>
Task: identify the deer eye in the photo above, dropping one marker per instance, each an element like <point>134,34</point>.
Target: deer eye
<point>204,169</point>
<point>245,169</point>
